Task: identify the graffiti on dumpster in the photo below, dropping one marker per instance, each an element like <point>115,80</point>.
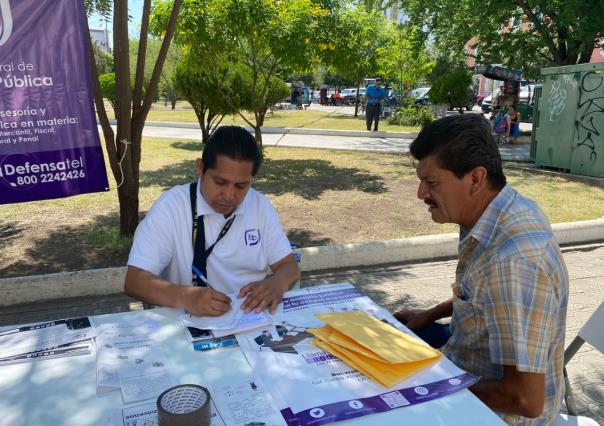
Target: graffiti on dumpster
<point>570,80</point>
<point>556,101</point>
<point>589,129</point>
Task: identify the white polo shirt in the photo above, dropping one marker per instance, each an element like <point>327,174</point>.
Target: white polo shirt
<point>163,240</point>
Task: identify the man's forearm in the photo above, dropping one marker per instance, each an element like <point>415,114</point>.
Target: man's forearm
<point>516,393</point>
<point>149,288</point>
<point>442,310</point>
<point>495,396</point>
<point>285,273</point>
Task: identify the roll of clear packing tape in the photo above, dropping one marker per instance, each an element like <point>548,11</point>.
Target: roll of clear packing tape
<point>184,405</point>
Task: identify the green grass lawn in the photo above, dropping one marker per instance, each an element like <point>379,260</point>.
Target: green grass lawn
<point>322,196</point>
<point>311,119</point>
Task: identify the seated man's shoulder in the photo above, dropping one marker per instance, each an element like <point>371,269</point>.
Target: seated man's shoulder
<point>175,202</point>
<point>524,229</point>
<point>175,196</point>
<point>259,201</point>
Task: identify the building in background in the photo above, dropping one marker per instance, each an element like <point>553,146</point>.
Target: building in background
<point>598,54</point>
<point>100,37</point>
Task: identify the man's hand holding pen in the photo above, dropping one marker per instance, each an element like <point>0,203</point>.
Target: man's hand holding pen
<point>205,301</point>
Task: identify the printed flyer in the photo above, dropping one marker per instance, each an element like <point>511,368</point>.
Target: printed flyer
<point>49,140</point>
<point>312,387</point>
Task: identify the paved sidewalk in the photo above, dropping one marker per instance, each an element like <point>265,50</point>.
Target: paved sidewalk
<point>359,143</point>
<point>409,285</point>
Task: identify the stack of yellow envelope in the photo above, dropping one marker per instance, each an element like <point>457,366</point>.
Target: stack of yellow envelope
<point>378,350</point>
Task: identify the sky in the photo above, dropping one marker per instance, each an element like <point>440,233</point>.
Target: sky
<point>135,8</point>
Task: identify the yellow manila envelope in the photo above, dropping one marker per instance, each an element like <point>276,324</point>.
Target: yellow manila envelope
<point>330,335</point>
<point>392,345</point>
<point>344,341</point>
<point>387,375</point>
<point>332,349</point>
<point>322,333</point>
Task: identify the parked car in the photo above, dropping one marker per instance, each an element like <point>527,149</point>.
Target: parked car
<point>421,95</point>
<point>527,94</point>
<point>420,92</point>
<point>487,104</point>
<point>348,93</point>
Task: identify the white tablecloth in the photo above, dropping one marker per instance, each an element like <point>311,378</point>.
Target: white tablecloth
<point>63,391</point>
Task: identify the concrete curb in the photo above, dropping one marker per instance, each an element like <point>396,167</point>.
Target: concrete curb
<point>99,282</point>
<point>294,131</point>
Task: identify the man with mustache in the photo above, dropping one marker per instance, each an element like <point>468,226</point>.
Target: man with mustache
<point>220,228</point>
<point>508,310</point>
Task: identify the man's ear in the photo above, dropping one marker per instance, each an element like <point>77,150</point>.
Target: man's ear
<point>479,179</point>
<point>199,167</point>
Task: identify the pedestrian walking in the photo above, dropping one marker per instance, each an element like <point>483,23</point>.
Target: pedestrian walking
<point>375,94</point>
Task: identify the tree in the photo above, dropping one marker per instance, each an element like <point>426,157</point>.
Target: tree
<point>202,88</point>
<point>405,60</point>
<point>265,36</point>
<point>103,60</point>
<point>132,105</point>
<point>526,34</point>
<point>355,50</point>
<point>251,97</point>
<point>332,78</point>
<point>166,79</point>
<point>452,88</point>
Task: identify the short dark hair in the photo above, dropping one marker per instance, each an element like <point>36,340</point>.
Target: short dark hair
<point>234,142</point>
<point>459,144</point>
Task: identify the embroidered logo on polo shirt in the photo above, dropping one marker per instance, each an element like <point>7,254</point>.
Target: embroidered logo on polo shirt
<point>252,237</point>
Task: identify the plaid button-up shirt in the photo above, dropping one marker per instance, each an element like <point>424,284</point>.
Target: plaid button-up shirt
<point>509,299</point>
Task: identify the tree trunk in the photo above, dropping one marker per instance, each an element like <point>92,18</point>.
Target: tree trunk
<point>205,134</point>
<point>128,198</point>
<point>127,188</point>
<point>131,107</point>
<point>173,104</point>
<point>587,51</point>
<point>356,101</point>
<point>258,137</point>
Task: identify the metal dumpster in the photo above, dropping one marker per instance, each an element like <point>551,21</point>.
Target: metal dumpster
<point>568,129</point>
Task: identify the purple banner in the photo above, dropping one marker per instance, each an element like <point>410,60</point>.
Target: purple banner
<point>345,410</point>
<point>49,141</point>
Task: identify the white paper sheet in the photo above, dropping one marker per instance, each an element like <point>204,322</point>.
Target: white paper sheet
<point>245,401</point>
<point>41,336</point>
<point>143,373</point>
<point>142,388</point>
<point>141,362</point>
<point>115,340</point>
<point>233,321</point>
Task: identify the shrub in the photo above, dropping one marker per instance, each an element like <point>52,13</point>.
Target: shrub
<point>108,87</point>
<point>412,116</point>
<point>452,89</point>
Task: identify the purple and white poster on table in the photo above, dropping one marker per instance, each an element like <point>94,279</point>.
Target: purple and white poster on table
<point>312,387</point>
<point>49,141</point>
